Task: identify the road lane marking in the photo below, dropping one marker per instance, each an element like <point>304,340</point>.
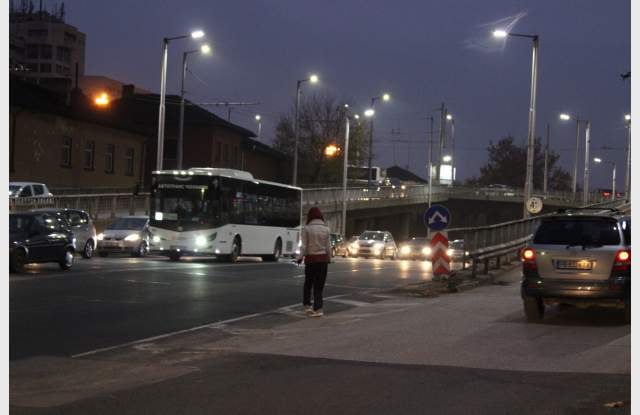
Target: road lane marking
<point>350,302</point>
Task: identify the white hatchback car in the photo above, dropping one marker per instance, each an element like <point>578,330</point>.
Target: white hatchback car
<point>28,189</point>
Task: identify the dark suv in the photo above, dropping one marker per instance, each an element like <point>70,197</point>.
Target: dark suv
<point>39,237</point>
<point>580,257</point>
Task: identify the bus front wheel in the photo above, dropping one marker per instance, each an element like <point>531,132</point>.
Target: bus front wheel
<point>235,250</point>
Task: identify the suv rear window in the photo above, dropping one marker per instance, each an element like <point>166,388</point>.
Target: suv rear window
<point>577,232</point>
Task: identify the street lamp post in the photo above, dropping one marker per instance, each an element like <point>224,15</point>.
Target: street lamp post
<point>204,49</point>
<point>384,97</point>
<point>528,185</point>
<point>585,179</point>
<point>163,90</point>
<point>613,175</point>
<point>627,176</point>
<point>313,79</point>
<point>259,121</point>
<point>429,174</point>
<point>345,161</point>
<point>574,178</point>
<point>453,147</point>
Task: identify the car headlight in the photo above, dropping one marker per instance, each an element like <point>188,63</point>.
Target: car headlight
<point>466,253</point>
<point>132,238</point>
<point>100,236</point>
<point>449,252</point>
<point>201,240</point>
<point>405,250</point>
<point>156,239</point>
<point>426,250</point>
<point>354,246</point>
<point>378,246</point>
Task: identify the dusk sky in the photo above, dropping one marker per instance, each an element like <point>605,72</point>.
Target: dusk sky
<point>421,52</point>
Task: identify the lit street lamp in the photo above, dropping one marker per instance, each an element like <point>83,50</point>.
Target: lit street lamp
<point>259,121</point>
<point>574,178</point>
<point>197,34</point>
<point>528,186</point>
<point>331,150</point>
<point>312,79</point>
<point>205,50</point>
<point>384,97</point>
<point>613,179</point>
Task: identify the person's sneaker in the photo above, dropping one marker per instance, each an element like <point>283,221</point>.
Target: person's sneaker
<point>316,313</point>
<point>308,309</point>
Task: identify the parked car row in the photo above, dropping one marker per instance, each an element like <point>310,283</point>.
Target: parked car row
<point>56,235</point>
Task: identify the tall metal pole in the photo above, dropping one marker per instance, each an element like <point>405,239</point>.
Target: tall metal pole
<point>574,184</point>
<point>259,128</point>
<point>429,174</point>
<point>528,187</point>
<point>295,129</point>
<point>163,86</point>
<point>181,129</point>
<point>627,176</point>
<point>443,121</point>
<point>453,151</point>
<point>344,175</point>
<point>546,161</point>
<point>369,176</point>
<point>585,179</point>
<point>613,184</point>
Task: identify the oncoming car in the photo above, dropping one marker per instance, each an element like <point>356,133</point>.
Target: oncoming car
<point>129,234</point>
<point>415,248</point>
<point>379,244</point>
<point>580,258</point>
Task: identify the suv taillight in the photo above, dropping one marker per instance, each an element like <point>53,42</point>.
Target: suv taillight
<point>622,261</point>
<point>529,260</point>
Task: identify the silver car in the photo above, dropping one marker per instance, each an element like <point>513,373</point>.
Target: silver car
<point>129,234</point>
<point>379,244</point>
<point>580,257</point>
<point>82,227</point>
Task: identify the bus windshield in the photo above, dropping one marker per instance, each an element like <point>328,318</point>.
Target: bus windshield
<point>184,206</point>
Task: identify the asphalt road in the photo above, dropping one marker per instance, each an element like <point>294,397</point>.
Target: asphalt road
<point>104,302</point>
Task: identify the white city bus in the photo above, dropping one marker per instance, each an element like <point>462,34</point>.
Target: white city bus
<point>224,213</point>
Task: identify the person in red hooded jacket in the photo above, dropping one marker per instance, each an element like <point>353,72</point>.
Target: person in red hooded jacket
<point>316,253</point>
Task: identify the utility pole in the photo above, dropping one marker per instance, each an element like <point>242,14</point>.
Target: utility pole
<point>546,161</point>
<point>585,180</point>
<point>627,177</point>
<point>430,165</point>
<point>443,121</point>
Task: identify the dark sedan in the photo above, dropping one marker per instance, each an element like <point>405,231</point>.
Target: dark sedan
<point>39,237</point>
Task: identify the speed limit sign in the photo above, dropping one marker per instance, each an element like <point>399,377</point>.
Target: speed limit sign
<point>534,205</point>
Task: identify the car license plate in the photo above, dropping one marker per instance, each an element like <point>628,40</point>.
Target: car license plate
<point>583,264</point>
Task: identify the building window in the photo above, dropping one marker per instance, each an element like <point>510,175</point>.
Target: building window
<point>63,54</point>
<point>40,33</point>
<point>236,159</point>
<point>46,52</point>
<point>218,151</point>
<point>128,165</point>
<point>45,67</point>
<point>32,51</point>
<point>32,67</point>
<point>225,157</point>
<point>66,152</point>
<point>69,37</point>
<point>108,159</point>
<point>89,150</point>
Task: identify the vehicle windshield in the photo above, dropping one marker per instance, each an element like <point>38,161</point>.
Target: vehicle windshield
<point>13,189</point>
<point>456,245</point>
<point>578,232</point>
<point>19,223</point>
<point>191,205</point>
<point>372,236</point>
<point>128,223</point>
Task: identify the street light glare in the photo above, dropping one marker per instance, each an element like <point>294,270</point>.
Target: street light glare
<point>369,112</point>
<point>565,117</point>
<point>197,34</point>
<point>258,117</point>
<point>331,150</point>
<point>356,116</point>
<point>597,160</point>
<point>446,159</point>
<point>386,97</point>
<point>500,33</point>
<point>627,117</point>
<point>313,79</point>
<point>205,49</point>
<point>449,117</point>
<point>102,100</point>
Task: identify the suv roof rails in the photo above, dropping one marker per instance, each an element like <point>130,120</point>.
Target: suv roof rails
<point>579,209</point>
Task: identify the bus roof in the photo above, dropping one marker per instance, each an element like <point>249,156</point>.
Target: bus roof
<point>215,171</point>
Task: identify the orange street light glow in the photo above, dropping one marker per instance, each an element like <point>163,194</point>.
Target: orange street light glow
<point>331,150</point>
<point>102,100</point>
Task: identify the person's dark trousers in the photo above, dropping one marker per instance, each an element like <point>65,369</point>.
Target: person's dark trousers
<point>315,275</point>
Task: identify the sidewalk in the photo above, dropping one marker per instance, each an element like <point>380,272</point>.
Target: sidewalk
<point>382,354</point>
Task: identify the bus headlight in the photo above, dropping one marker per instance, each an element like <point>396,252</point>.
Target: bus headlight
<point>426,251</point>
<point>156,239</point>
<point>132,238</point>
<point>405,250</point>
<point>201,241</point>
<point>100,236</point>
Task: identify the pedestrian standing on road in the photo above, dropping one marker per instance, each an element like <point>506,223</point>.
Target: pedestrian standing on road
<point>316,253</point>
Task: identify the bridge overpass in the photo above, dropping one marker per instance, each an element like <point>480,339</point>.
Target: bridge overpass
<point>398,210</point>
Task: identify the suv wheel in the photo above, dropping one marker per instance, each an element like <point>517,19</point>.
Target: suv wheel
<point>533,309</point>
<point>87,252</point>
<point>67,259</point>
<point>141,250</point>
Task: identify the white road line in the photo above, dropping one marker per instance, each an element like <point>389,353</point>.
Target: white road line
<point>214,325</point>
<point>350,302</point>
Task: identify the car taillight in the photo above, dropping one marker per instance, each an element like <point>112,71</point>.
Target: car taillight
<point>622,261</point>
<point>529,259</point>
